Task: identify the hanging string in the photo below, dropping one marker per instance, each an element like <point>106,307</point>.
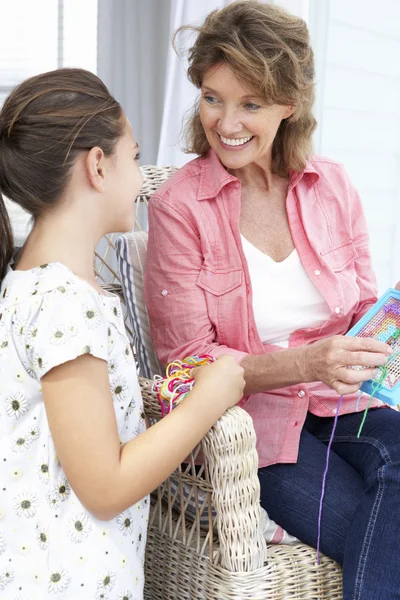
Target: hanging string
<point>321,501</point>
<point>376,387</point>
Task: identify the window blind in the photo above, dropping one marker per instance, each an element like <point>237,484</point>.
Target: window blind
<point>38,36</point>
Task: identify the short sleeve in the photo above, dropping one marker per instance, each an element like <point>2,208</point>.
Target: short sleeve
<point>62,326</point>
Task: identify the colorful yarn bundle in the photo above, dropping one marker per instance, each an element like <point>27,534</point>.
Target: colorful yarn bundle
<point>173,388</point>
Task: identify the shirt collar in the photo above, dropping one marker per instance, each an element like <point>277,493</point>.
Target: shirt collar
<point>310,174</point>
<point>214,176</point>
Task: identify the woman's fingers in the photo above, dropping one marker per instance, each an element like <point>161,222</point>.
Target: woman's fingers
<point>331,360</point>
<point>344,388</point>
<point>354,376</point>
<point>364,359</point>
<point>357,344</point>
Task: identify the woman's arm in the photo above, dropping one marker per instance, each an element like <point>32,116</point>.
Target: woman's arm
<point>109,478</point>
<point>180,324</point>
<point>327,360</point>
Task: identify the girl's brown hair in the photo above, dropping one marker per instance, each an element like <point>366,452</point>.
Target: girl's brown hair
<point>269,51</point>
<point>45,123</point>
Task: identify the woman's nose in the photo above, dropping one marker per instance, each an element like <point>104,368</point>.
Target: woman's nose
<point>229,124</point>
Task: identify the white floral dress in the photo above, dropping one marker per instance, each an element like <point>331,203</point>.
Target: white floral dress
<point>50,545</point>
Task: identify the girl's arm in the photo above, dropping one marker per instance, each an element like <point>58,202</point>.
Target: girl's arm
<point>107,477</point>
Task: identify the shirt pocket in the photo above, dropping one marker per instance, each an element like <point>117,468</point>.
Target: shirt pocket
<point>340,257</point>
<point>224,300</point>
<point>219,283</point>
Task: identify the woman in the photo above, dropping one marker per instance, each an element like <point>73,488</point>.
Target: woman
<point>77,462</point>
<point>259,249</point>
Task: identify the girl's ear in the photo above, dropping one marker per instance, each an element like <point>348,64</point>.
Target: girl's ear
<point>96,168</point>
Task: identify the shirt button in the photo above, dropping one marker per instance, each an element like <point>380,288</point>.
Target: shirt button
<point>164,293</point>
<point>334,410</point>
<point>317,272</point>
<point>295,424</point>
<point>337,310</point>
<point>301,393</point>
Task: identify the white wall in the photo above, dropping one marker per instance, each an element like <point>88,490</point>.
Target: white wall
<point>357,47</point>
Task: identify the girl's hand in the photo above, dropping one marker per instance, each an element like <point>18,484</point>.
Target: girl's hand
<point>222,379</point>
<point>398,285</point>
<point>330,360</point>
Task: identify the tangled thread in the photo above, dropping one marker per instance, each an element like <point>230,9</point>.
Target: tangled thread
<point>178,382</point>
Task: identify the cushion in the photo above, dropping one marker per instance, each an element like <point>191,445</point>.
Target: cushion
<point>131,255</point>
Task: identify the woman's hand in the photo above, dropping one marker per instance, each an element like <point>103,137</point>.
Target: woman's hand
<point>330,361</point>
<point>222,379</point>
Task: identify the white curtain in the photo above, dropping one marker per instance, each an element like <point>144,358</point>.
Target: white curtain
<point>133,38</point>
<point>180,94</point>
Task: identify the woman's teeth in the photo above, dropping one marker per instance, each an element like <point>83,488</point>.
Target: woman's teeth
<point>235,141</point>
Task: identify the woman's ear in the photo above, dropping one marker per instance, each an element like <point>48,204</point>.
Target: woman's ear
<point>96,168</point>
<point>289,111</point>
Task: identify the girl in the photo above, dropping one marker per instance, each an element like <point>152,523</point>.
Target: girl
<point>76,460</point>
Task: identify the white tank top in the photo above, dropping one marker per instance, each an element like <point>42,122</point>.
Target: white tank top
<point>284,297</point>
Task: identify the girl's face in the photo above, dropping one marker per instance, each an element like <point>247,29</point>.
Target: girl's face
<point>239,126</point>
<point>124,182</point>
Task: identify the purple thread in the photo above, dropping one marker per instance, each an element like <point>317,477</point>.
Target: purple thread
<point>324,481</point>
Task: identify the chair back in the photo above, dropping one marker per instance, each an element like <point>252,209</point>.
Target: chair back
<point>131,251</point>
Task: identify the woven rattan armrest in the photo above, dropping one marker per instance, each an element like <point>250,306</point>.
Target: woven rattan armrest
<point>231,461</point>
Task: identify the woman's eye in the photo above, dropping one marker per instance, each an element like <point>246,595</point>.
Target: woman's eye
<point>210,99</point>
<point>137,157</point>
<point>252,106</point>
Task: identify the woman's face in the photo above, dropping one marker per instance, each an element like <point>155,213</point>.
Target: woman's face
<point>239,126</point>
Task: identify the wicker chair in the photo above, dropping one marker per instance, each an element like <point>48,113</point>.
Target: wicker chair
<point>219,553</point>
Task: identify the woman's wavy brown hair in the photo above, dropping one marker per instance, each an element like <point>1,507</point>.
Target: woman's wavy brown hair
<point>269,51</point>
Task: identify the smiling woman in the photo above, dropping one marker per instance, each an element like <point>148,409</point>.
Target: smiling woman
<point>237,122</point>
<point>263,248</point>
<point>274,66</point>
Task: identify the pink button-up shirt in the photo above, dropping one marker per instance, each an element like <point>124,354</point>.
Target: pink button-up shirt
<point>198,288</point>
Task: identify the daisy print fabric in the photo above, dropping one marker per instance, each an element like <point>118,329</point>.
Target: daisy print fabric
<point>50,545</point>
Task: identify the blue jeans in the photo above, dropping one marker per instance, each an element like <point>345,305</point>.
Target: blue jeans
<point>361,512</point>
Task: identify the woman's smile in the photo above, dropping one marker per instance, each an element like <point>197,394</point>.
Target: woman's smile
<point>234,143</point>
